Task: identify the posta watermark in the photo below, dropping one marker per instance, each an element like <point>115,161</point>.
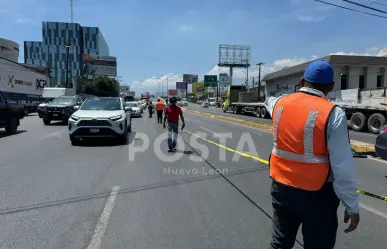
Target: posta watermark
<point>198,143</point>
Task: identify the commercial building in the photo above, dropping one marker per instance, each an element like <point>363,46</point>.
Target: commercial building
<point>351,72</point>
<point>50,53</point>
<point>9,50</point>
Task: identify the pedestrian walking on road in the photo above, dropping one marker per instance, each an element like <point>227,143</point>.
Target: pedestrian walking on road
<point>150,108</point>
<point>172,114</point>
<point>311,164</point>
<point>159,110</point>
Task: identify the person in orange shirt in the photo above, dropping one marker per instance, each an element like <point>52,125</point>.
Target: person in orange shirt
<point>159,110</point>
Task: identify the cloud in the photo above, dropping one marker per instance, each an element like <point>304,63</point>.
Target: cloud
<point>239,75</point>
<point>303,18</point>
<point>18,17</point>
<point>185,28</point>
<point>25,20</point>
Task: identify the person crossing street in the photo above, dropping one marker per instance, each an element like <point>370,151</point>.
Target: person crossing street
<point>159,110</point>
<point>172,114</point>
<point>311,164</point>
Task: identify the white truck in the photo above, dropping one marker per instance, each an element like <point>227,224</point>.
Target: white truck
<point>365,109</point>
<point>22,85</point>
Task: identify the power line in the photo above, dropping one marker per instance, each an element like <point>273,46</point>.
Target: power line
<point>342,7</point>
<point>365,6</point>
<point>378,3</point>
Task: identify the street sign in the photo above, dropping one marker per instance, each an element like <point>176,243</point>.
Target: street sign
<point>211,80</point>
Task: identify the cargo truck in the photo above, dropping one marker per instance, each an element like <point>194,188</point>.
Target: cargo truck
<point>365,109</point>
<point>22,85</point>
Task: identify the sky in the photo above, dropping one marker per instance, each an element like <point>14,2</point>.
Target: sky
<point>154,40</point>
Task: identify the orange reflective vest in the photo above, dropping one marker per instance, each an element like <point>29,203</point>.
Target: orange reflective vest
<point>300,155</point>
<point>159,106</point>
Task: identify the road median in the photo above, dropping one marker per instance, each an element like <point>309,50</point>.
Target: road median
<point>357,146</point>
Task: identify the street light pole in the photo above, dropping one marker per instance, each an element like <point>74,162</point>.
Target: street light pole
<point>259,78</point>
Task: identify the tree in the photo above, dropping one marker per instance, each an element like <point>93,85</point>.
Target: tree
<point>102,86</point>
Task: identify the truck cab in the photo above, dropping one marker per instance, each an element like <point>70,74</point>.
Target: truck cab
<point>9,116</point>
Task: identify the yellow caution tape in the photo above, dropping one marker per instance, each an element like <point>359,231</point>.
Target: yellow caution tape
<point>383,198</point>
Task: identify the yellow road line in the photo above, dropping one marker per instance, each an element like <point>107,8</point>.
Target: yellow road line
<point>363,192</point>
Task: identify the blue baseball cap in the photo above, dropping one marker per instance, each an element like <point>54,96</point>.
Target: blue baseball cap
<point>319,72</point>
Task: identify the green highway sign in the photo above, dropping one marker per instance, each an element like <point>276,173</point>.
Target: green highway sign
<point>211,80</point>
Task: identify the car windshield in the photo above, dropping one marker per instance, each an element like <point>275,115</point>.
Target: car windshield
<point>102,104</point>
<point>63,101</point>
<point>131,104</point>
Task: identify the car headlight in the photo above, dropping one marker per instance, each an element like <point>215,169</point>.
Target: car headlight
<point>75,118</point>
<point>115,118</point>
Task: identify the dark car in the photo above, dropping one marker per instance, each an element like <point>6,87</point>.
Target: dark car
<point>61,108</point>
<point>381,143</point>
<point>10,115</point>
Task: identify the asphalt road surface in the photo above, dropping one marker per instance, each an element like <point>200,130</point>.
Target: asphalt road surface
<point>102,195</point>
<point>358,136</point>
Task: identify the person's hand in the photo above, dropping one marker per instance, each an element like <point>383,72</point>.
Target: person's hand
<point>183,126</point>
<point>164,126</point>
<point>355,219</point>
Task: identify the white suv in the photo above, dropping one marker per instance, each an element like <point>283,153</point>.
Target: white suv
<point>101,117</point>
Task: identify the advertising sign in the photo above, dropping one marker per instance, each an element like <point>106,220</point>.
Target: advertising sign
<point>172,92</point>
<point>99,65</point>
<point>225,81</point>
<point>124,89</point>
<point>181,85</point>
<point>190,78</point>
<point>21,83</point>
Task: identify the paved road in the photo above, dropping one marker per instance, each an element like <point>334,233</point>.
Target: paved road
<point>54,195</point>
<point>358,136</point>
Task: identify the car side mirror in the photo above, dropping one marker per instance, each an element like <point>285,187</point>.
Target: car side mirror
<point>128,109</point>
<point>76,107</point>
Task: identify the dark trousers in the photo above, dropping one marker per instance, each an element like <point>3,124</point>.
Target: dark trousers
<point>160,116</point>
<point>150,112</point>
<point>315,210</point>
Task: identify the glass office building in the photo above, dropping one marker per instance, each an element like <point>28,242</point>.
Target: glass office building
<point>51,52</point>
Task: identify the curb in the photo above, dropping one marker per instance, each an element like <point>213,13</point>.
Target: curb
<point>357,146</point>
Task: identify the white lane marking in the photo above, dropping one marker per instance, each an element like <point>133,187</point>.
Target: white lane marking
<point>373,210</point>
<point>103,220</point>
<point>56,134</point>
<point>215,134</point>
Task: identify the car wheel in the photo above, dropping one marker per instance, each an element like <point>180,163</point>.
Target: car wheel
<point>46,121</point>
<point>122,139</point>
<point>11,128</point>
<point>74,141</point>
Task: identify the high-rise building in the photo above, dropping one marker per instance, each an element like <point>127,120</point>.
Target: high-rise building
<point>51,51</point>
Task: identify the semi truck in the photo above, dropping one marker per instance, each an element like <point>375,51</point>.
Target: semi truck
<point>22,85</point>
<point>365,109</point>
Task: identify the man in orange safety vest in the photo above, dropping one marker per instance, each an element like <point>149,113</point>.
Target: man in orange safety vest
<point>159,110</point>
<point>311,164</point>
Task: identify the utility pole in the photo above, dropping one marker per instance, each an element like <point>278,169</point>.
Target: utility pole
<point>67,45</point>
<point>253,81</point>
<point>167,87</point>
<point>259,78</point>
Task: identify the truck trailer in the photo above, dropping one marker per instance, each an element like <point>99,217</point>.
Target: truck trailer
<point>22,85</point>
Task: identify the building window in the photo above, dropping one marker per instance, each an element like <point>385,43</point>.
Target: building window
<point>361,82</point>
<point>344,82</point>
<point>379,81</point>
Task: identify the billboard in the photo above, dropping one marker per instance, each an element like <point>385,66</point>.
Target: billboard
<point>225,81</point>
<point>172,92</point>
<point>99,65</point>
<point>124,89</point>
<point>190,78</point>
<point>181,85</point>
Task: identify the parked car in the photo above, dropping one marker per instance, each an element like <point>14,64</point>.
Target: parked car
<point>136,109</point>
<point>101,117</point>
<point>61,108</point>
<point>184,103</point>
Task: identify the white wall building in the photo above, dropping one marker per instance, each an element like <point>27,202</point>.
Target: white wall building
<point>351,72</point>
<point>9,50</point>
